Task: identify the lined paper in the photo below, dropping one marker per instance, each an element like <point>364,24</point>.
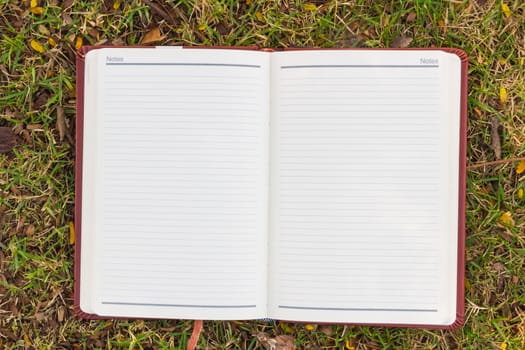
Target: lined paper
<point>182,183</point>
<point>360,187</point>
<point>345,211</point>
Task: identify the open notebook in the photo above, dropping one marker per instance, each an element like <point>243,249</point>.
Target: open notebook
<point>306,185</point>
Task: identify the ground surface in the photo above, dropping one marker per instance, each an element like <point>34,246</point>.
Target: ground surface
<point>38,40</point>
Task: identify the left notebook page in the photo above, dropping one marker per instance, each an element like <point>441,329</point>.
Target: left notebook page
<point>175,183</point>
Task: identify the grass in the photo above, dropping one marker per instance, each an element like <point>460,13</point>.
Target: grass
<point>37,183</point>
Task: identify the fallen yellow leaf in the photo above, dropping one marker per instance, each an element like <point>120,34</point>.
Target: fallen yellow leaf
<point>37,46</point>
<point>349,345</point>
<point>248,2</point>
<point>521,167</point>
<point>116,5</point>
<point>71,232</point>
<point>443,25</point>
<point>309,327</point>
<point>78,42</point>
<point>503,95</point>
<point>506,10</point>
<point>36,10</point>
<point>503,346</point>
<point>309,7</point>
<point>506,218</point>
<point>259,17</point>
<point>26,340</point>
<point>51,42</point>
<point>286,327</point>
<point>34,3</point>
<point>201,27</point>
<point>520,193</point>
<point>477,111</point>
<point>152,36</point>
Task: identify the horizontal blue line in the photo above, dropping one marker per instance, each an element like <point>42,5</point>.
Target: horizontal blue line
<point>181,305</point>
<point>184,64</point>
<point>360,66</point>
<point>352,309</point>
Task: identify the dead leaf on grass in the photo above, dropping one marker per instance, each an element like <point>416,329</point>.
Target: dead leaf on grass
<point>41,99</point>
<point>7,139</point>
<point>494,133</point>
<point>66,20</point>
<point>61,123</point>
<point>280,342</point>
<point>61,313</point>
<point>37,10</point>
<point>521,167</point>
<point>309,7</point>
<point>71,233</point>
<point>37,46</point>
<point>20,224</point>
<point>503,95</point>
<point>67,4</point>
<point>40,316</point>
<point>94,33</point>
<point>167,13</point>
<point>152,36</point>
<point>401,42</point>
<point>30,230</point>
<point>327,330</point>
<point>260,17</point>
<point>506,10</point>
<point>499,267</point>
<point>443,25</point>
<point>78,42</point>
<point>15,191</point>
<point>411,17</point>
<point>500,281</point>
<point>222,29</point>
<point>350,344</point>
<point>27,138</point>
<point>506,219</point>
<point>27,341</point>
<point>52,41</point>
<point>310,327</point>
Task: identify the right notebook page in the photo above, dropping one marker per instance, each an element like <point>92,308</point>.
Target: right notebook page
<point>364,186</point>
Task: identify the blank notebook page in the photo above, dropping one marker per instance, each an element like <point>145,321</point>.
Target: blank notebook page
<point>364,187</point>
<point>180,183</point>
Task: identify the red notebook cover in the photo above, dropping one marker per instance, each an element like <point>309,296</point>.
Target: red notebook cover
<point>460,299</point>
